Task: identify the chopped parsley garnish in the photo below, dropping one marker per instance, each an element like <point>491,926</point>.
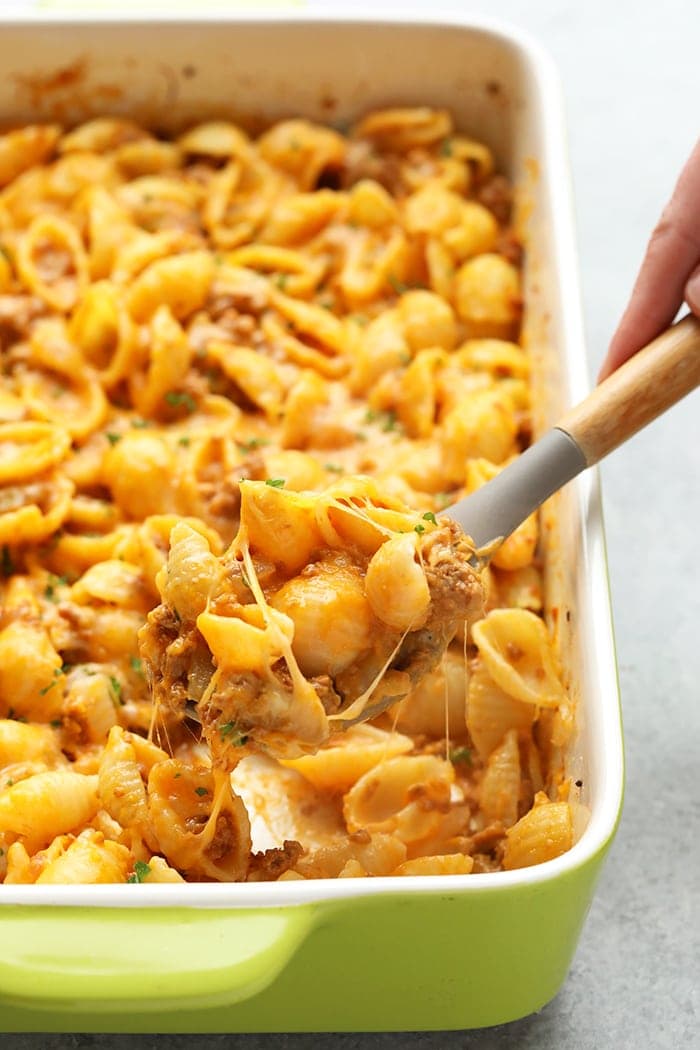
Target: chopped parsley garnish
<point>334,468</point>
<point>201,791</point>
<point>250,446</point>
<point>429,516</point>
<point>56,723</point>
<point>419,528</point>
<point>386,420</point>
<point>136,665</point>
<point>446,148</point>
<point>275,483</point>
<point>184,441</point>
<point>180,399</point>
<point>7,566</point>
<point>461,755</point>
<point>231,734</point>
<point>116,687</point>
<point>141,424</point>
<point>281,280</point>
<point>52,583</point>
<point>444,499</point>
<point>112,437</point>
<point>141,872</point>
<point>398,286</point>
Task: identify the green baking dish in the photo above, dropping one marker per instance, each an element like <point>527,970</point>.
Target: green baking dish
<point>353,954</point>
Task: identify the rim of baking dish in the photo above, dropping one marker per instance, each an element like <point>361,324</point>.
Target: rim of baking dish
<point>606,806</point>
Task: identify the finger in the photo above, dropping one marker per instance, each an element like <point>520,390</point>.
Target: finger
<point>672,254</point>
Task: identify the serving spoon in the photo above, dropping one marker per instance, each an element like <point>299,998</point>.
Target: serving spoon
<point>641,389</point>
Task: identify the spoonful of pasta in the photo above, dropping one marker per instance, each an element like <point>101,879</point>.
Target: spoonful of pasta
<point>326,609</point>
<point>330,607</point>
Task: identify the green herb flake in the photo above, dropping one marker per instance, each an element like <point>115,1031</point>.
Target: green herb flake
<point>112,437</point>
<point>281,280</point>
<point>386,420</point>
<point>359,319</point>
<point>443,499</point>
<point>180,399</point>
<point>136,665</point>
<point>141,872</point>
<point>184,441</point>
<point>201,791</point>
<point>429,516</point>
<point>333,468</point>
<point>275,483</point>
<point>7,566</point>
<point>419,529</point>
<point>116,687</point>
<point>461,755</point>
<point>141,424</point>
<point>398,286</point>
<point>9,783</point>
<point>250,446</point>
<point>51,585</point>
<point>56,723</point>
<point>177,776</point>
<point>231,734</point>
<point>446,148</point>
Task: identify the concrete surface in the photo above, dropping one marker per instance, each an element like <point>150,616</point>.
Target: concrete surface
<point>631,79</point>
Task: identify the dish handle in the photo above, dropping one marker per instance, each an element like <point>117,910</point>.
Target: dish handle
<point>104,959</point>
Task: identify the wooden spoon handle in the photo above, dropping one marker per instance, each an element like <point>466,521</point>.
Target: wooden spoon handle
<point>637,392</point>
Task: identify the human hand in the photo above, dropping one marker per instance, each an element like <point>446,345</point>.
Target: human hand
<point>670,271</point>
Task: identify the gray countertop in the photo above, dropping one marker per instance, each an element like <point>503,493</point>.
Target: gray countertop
<point>631,81</point>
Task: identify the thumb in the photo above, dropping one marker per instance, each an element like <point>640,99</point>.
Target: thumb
<point>692,291</point>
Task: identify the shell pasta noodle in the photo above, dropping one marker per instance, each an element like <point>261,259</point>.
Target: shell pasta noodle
<point>242,377</point>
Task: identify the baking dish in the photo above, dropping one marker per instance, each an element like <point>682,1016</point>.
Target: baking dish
<point>351,954</point>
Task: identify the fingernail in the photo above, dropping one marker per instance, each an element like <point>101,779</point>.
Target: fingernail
<point>692,291</point>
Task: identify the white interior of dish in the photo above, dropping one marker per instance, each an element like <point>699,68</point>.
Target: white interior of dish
<point>501,89</point>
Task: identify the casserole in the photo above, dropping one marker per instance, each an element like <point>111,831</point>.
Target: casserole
<point>429,952</point>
